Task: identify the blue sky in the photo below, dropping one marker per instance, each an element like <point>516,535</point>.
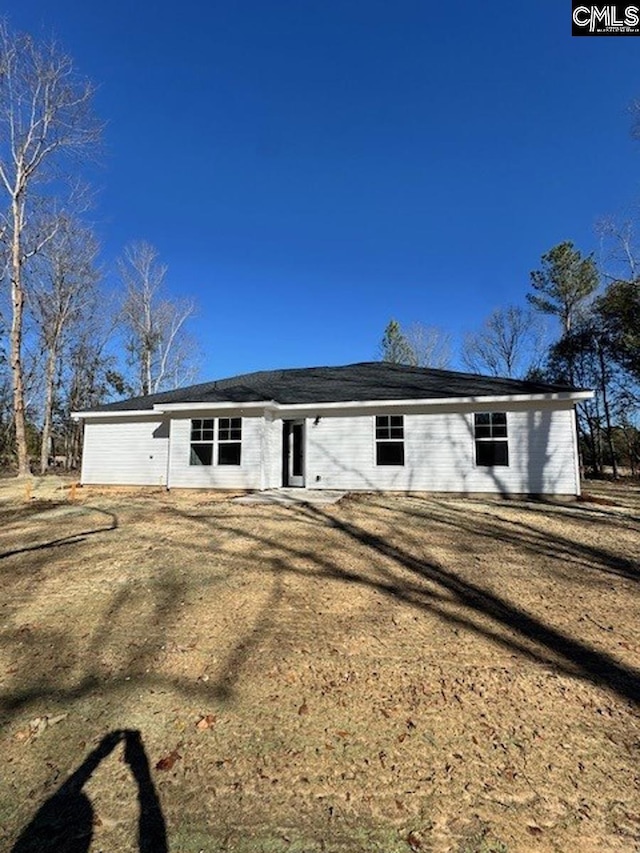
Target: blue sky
<point>308,169</point>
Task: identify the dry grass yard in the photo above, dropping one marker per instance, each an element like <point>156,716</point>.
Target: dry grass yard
<point>181,673</point>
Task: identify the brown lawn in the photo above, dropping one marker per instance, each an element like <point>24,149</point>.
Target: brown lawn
<point>178,672</point>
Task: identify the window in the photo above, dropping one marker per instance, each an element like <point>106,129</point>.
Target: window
<point>201,442</point>
<point>490,431</point>
<point>229,441</point>
<point>389,440</point>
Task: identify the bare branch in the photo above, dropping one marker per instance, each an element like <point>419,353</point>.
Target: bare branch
<point>61,288</point>
<point>430,344</point>
<point>45,114</point>
<point>620,259</point>
<point>510,343</point>
<point>154,324</point>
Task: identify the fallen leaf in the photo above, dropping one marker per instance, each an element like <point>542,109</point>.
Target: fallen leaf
<point>168,761</point>
<point>303,709</point>
<point>534,830</point>
<point>206,722</point>
<point>414,841</point>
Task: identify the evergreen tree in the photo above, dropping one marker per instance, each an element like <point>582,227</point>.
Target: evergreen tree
<point>394,347</point>
<point>619,312</point>
<point>564,284</point>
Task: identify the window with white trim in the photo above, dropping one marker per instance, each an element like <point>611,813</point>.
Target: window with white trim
<point>229,441</point>
<point>491,440</point>
<point>389,440</point>
<point>203,439</point>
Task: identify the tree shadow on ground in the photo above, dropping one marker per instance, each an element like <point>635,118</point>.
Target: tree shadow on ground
<point>480,522</point>
<point>507,625</point>
<point>111,523</point>
<point>398,567</point>
<point>64,823</point>
<point>595,666</point>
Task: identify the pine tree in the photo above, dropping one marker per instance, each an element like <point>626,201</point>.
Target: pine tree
<point>564,283</point>
<point>394,347</point>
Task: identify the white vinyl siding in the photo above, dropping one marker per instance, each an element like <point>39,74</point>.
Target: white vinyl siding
<point>125,451</point>
<point>246,475</point>
<point>440,454</point>
<point>340,451</point>
<point>272,452</point>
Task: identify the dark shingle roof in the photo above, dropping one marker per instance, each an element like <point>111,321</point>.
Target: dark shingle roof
<point>350,383</point>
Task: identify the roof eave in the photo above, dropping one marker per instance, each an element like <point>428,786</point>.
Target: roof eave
<point>110,413</point>
<point>226,404</point>
<point>272,405</point>
<point>556,396</point>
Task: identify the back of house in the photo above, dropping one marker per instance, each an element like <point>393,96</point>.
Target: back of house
<point>370,426</point>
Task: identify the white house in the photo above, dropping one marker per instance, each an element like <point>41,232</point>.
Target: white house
<point>370,426</point>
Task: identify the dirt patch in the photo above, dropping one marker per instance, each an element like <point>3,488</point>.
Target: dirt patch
<point>389,673</point>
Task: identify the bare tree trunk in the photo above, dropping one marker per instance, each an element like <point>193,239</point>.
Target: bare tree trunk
<point>44,113</point>
<point>48,408</point>
<point>153,324</point>
<point>607,414</point>
<point>580,433</point>
<point>148,343</point>
<point>587,431</point>
<point>17,301</point>
<point>595,427</point>
<point>73,446</point>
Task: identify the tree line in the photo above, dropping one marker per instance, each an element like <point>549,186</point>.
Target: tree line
<point>68,340</point>
<point>596,345</point>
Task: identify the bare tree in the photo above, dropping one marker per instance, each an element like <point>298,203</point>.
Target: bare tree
<point>416,346</point>
<point>45,113</point>
<point>61,288</point>
<point>510,343</point>
<point>92,376</point>
<point>159,349</point>
<point>620,244</point>
<point>431,346</point>
<point>6,409</point>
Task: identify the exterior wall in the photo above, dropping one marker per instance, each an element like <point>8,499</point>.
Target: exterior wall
<point>340,451</point>
<point>440,453</point>
<point>247,475</point>
<point>125,451</point>
<point>272,458</point>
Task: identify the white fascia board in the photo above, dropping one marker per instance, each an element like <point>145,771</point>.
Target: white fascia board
<point>121,413</point>
<point>207,407</point>
<point>271,405</point>
<point>561,396</point>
